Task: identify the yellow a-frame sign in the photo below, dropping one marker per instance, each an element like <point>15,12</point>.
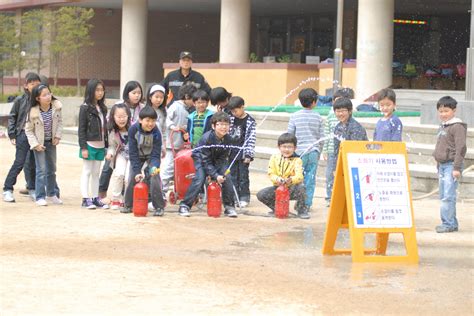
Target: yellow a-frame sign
<point>371,194</point>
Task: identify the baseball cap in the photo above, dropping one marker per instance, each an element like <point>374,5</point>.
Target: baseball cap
<point>185,54</point>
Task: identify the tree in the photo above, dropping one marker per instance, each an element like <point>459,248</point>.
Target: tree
<point>71,32</point>
<point>8,44</point>
<point>33,23</point>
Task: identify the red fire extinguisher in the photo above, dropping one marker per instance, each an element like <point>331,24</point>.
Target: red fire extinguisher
<point>282,201</point>
<point>140,199</point>
<point>214,200</point>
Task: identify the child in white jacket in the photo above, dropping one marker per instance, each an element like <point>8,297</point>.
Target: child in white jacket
<point>43,130</point>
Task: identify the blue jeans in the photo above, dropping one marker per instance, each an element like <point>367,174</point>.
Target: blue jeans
<point>310,166</point>
<point>195,187</point>
<point>22,160</point>
<point>447,194</point>
<point>330,168</point>
<point>45,171</point>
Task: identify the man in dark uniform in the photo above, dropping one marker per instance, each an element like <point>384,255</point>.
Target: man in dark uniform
<point>184,75</point>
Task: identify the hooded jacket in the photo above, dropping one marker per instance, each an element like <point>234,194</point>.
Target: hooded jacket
<point>451,143</point>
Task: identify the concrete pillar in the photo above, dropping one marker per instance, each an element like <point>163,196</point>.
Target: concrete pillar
<point>374,46</point>
<point>235,31</point>
<point>134,40</point>
<point>470,62</point>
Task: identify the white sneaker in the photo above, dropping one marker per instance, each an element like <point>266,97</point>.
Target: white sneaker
<point>54,200</point>
<point>32,194</point>
<point>150,207</point>
<point>8,196</point>
<point>41,202</point>
<point>243,203</point>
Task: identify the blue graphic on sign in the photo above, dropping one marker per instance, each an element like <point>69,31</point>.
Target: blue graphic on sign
<point>357,196</point>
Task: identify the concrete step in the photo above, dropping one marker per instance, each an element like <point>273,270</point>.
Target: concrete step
<point>413,132</point>
<point>417,152</point>
<point>418,94</point>
<point>422,134</point>
<point>271,121</point>
<point>422,166</point>
<point>423,177</point>
<point>422,154</point>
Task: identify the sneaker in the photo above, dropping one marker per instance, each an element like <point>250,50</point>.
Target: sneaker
<point>87,203</point>
<point>184,210</point>
<point>98,202</point>
<point>271,213</point>
<point>303,214</point>
<point>159,212</point>
<point>116,205</point>
<point>54,200</point>
<point>41,202</point>
<point>443,229</point>
<point>243,203</point>
<point>230,212</point>
<point>126,210</point>
<point>32,194</point>
<point>150,207</point>
<point>8,196</point>
<point>24,192</point>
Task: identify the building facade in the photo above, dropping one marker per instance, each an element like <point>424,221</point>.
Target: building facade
<point>134,38</point>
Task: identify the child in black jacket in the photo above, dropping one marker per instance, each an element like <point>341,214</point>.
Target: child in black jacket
<point>92,134</point>
<point>211,159</point>
<point>24,159</point>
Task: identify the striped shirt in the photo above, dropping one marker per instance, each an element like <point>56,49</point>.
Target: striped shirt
<point>307,125</point>
<point>247,136</point>
<point>47,117</point>
<point>331,122</point>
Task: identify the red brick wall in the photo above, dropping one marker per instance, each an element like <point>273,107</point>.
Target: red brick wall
<point>168,34</point>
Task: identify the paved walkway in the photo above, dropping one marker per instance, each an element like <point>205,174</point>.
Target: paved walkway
<point>68,260</point>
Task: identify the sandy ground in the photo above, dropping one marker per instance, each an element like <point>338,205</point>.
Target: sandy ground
<point>68,260</point>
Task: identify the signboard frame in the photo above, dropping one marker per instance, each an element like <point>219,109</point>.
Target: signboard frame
<point>341,213</point>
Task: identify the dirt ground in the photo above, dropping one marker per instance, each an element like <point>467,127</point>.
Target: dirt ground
<point>68,260</point>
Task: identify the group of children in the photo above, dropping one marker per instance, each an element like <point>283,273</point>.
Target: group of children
<point>139,142</point>
<point>142,141</point>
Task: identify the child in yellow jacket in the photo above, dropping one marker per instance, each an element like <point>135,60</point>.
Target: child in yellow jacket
<point>286,168</point>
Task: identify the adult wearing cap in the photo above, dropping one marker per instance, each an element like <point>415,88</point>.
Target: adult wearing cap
<point>184,75</point>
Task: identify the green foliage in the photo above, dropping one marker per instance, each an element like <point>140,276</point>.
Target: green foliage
<point>21,44</point>
<point>4,97</point>
<point>8,43</point>
<point>284,59</point>
<point>33,24</point>
<point>72,29</point>
<point>59,91</point>
<point>66,91</point>
<point>253,58</point>
<point>71,32</point>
